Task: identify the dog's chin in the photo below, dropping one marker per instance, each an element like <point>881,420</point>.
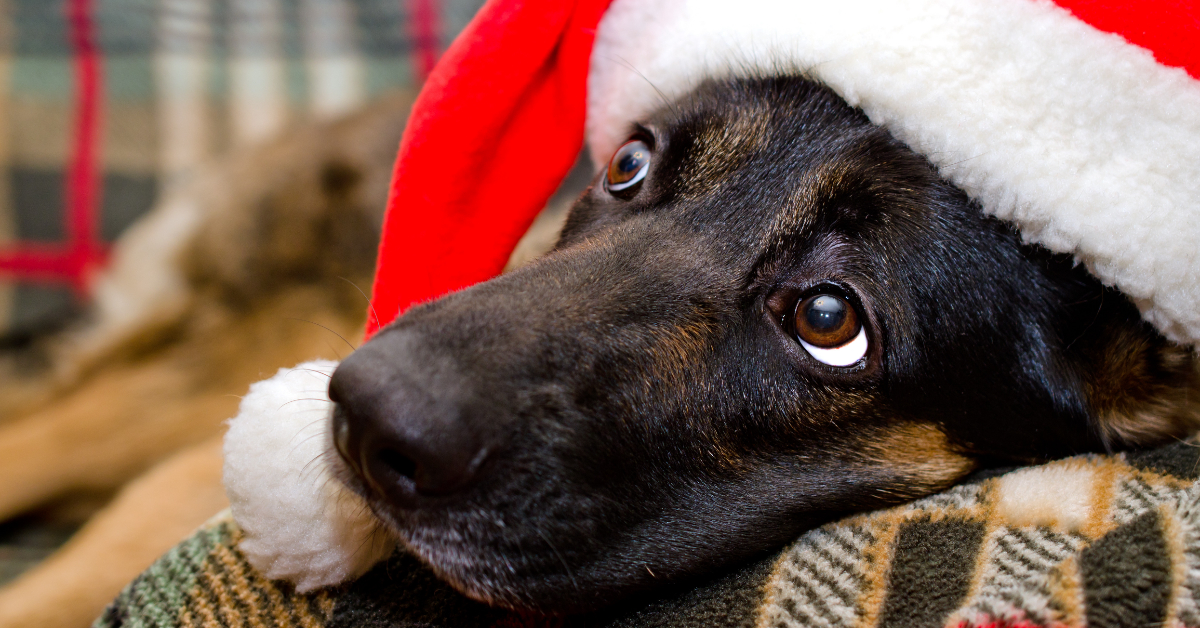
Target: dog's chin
<point>479,557</point>
<point>466,548</point>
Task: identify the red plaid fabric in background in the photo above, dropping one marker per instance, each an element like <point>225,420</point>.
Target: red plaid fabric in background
<point>106,103</point>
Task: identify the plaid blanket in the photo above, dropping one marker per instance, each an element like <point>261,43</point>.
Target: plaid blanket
<point>104,104</point>
<point>1093,540</point>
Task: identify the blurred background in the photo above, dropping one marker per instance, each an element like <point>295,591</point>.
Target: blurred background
<point>105,104</point>
<point>190,197</point>
<point>191,193</point>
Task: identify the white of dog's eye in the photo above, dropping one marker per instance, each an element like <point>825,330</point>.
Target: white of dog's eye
<point>844,355</point>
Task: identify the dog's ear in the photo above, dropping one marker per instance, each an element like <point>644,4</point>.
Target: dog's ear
<point>1142,389</point>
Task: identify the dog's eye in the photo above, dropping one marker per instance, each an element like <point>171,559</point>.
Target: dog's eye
<point>828,328</point>
<point>628,167</point>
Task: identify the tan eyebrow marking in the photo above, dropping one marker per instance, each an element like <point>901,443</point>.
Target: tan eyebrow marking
<point>722,146</point>
<point>817,186</point>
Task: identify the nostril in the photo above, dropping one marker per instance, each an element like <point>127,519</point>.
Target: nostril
<point>398,462</point>
<point>405,469</point>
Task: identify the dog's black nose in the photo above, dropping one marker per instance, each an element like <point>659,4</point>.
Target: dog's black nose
<point>406,428</point>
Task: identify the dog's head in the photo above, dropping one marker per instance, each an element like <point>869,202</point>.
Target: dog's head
<point>766,312</point>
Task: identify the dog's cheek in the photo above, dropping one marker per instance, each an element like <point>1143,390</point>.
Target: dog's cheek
<point>912,460</point>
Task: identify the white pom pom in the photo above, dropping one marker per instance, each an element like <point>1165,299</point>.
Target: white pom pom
<point>300,523</point>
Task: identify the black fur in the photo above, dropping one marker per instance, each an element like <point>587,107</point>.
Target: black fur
<point>631,410</point>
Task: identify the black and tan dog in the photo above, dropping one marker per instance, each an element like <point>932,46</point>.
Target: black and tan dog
<point>765,313</point>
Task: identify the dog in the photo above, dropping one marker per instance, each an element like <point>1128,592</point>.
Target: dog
<point>765,313</point>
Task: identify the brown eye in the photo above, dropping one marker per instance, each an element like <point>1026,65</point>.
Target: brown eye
<point>828,328</point>
<point>628,166</point>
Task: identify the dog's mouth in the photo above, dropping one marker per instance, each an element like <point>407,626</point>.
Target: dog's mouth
<point>528,534</point>
<point>499,540</point>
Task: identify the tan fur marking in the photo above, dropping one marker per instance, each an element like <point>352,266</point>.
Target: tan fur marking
<point>722,146</point>
<point>677,351</point>
<point>920,454</point>
<point>800,208</point>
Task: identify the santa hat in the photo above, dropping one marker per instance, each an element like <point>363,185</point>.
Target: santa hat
<point>1078,120</point>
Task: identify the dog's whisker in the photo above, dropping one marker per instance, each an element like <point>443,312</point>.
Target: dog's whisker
<point>296,445</point>
<point>316,372</point>
<point>1095,317</point>
<point>312,423</point>
<point>321,457</point>
<point>370,538</point>
<point>667,103</point>
<point>288,403</point>
<point>370,305</point>
<point>348,343</point>
<point>310,370</point>
<point>308,438</point>
<point>565,564</point>
<point>965,160</point>
<point>328,456</point>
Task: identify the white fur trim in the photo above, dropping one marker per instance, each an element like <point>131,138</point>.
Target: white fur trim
<point>1080,138</point>
<point>300,523</point>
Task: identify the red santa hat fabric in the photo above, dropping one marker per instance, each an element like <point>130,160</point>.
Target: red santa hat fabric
<point>1077,120</point>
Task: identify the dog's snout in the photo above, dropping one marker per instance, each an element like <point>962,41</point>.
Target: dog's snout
<point>400,429</point>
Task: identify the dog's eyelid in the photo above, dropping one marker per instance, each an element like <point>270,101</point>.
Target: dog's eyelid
<point>645,133</point>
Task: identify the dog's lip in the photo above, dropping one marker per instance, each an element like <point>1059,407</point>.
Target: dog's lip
<point>340,429</point>
<point>341,435</point>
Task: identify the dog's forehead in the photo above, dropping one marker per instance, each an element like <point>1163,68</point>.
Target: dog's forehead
<point>726,126</point>
<point>767,169</point>
<point>714,138</point>
<point>765,158</point>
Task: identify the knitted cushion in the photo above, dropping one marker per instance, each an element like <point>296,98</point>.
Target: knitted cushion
<point>1091,540</point>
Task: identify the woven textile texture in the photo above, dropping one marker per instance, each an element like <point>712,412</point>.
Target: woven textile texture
<point>1093,540</point>
<point>105,104</point>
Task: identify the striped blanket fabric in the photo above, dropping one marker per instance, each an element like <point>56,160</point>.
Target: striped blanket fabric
<point>106,104</point>
<point>1101,541</point>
